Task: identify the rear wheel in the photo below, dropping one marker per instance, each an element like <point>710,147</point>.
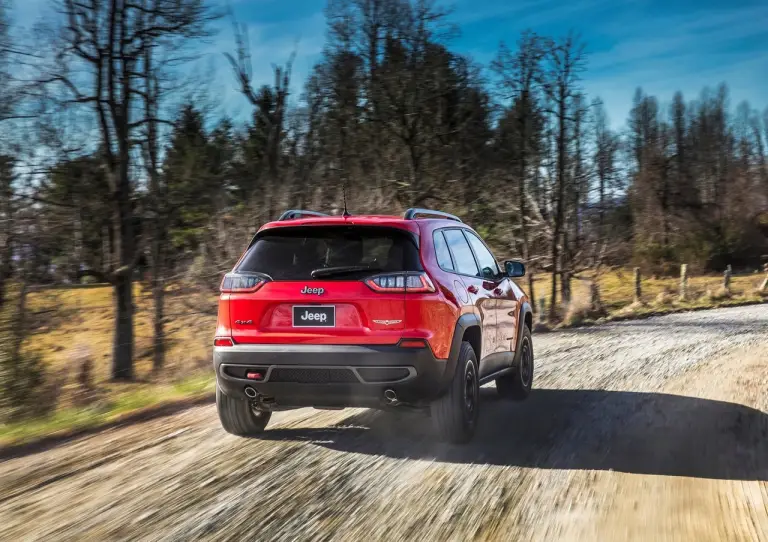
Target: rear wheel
<point>239,417</point>
<point>455,414</point>
<point>517,385</point>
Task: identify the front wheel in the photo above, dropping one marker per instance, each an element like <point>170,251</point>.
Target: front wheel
<point>239,417</point>
<point>455,414</point>
<point>517,385</point>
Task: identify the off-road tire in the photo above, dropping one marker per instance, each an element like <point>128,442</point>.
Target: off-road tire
<point>237,416</point>
<point>517,384</point>
<point>455,414</point>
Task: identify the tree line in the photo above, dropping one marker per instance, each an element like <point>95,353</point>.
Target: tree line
<point>116,168</point>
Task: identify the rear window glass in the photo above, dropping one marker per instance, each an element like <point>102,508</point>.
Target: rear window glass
<point>441,251</point>
<point>462,254</point>
<point>293,253</point>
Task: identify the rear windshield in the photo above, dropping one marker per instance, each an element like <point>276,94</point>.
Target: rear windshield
<point>293,253</point>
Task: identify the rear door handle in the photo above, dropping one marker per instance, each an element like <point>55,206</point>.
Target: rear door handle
<point>472,289</point>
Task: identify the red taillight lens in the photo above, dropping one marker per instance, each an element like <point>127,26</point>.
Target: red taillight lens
<point>223,341</point>
<point>401,282</point>
<point>241,282</point>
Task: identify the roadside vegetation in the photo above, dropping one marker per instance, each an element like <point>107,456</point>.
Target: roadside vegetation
<point>69,336</point>
<point>70,339</point>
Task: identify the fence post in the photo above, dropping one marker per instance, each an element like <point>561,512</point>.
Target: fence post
<point>727,278</point>
<point>683,282</point>
<point>595,302</point>
<point>638,286</point>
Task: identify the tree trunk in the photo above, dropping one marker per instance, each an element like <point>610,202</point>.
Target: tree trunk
<point>553,292</point>
<point>522,191</point>
<point>160,222</point>
<point>531,294</point>
<point>158,298</point>
<point>6,256</point>
<point>560,205</point>
<point>122,347</point>
<point>565,276</point>
<point>5,263</point>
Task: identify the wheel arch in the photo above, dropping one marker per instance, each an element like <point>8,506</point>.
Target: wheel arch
<point>525,319</point>
<point>468,328</point>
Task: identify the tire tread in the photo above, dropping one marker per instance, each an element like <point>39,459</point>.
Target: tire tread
<point>447,413</point>
<point>237,418</point>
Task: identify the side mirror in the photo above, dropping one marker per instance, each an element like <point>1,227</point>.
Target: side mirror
<point>514,269</point>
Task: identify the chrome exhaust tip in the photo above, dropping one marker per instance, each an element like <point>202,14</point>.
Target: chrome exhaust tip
<point>391,397</point>
<point>251,393</point>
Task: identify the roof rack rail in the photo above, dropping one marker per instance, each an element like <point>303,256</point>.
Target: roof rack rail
<point>293,214</point>
<point>415,212</point>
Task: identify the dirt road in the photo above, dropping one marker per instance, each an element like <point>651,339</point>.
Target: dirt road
<point>646,430</point>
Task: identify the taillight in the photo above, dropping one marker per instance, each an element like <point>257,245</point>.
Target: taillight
<point>241,282</point>
<point>401,282</point>
<point>223,341</point>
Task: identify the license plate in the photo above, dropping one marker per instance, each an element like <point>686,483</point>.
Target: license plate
<point>314,316</point>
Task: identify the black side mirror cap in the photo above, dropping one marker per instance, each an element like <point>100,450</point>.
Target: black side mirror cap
<point>514,269</point>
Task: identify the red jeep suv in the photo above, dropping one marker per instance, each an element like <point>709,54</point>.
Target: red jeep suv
<point>370,311</point>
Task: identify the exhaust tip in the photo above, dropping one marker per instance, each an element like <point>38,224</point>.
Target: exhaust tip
<point>390,396</point>
<point>250,392</point>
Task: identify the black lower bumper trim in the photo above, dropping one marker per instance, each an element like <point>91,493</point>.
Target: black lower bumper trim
<point>331,375</point>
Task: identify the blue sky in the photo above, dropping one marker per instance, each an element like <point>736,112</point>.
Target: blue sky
<point>660,45</point>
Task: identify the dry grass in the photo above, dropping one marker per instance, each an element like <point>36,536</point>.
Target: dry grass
<point>617,287</point>
<point>659,295</point>
<point>73,324</point>
<point>70,326</point>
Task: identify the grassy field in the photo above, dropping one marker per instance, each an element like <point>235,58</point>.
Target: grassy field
<point>659,295</point>
<point>72,325</point>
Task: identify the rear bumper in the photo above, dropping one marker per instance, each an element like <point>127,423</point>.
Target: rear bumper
<point>332,375</point>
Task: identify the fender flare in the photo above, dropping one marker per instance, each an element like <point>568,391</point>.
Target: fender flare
<point>525,310</point>
<point>465,322</point>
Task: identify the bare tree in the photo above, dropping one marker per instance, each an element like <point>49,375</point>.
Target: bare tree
<point>270,104</point>
<point>109,42</point>
<point>520,77</point>
<point>565,62</point>
<point>606,148</point>
<point>7,176</point>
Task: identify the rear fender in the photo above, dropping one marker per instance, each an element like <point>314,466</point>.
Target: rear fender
<point>465,322</point>
<point>525,310</point>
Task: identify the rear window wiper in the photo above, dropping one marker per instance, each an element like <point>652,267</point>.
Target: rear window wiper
<point>343,270</point>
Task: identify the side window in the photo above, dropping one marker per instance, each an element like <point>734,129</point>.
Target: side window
<point>442,253</point>
<point>462,254</point>
<point>489,269</point>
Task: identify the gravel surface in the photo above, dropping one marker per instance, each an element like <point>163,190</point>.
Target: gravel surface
<point>647,429</point>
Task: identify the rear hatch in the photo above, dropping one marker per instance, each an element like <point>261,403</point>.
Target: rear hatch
<point>322,285</point>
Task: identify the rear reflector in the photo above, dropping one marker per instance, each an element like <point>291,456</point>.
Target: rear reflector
<point>254,375</point>
<point>223,341</point>
<point>413,343</point>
